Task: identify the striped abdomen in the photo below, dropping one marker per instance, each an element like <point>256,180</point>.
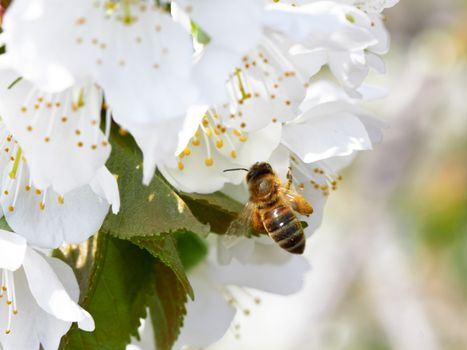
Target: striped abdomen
<point>283,227</point>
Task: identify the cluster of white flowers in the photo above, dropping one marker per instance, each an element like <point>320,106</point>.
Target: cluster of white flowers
<point>202,86</point>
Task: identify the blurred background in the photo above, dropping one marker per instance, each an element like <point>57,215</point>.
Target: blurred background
<point>389,264</point>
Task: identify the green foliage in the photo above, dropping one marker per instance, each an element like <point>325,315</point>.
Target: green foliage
<point>163,247</point>
<point>217,209</point>
<point>167,307</point>
<point>192,249</point>
<point>4,225</point>
<point>146,210</point>
<point>114,291</point>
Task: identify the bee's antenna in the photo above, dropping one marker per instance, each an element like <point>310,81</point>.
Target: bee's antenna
<point>235,169</point>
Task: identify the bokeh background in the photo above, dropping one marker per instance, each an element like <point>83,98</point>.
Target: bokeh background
<point>389,264</point>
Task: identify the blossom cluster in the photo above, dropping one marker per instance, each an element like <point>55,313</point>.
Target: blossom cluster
<point>201,86</point>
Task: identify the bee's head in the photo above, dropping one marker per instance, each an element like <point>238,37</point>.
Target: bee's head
<point>259,169</point>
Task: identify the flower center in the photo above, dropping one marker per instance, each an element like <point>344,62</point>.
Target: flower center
<point>214,136</point>
<point>242,299</point>
<point>7,291</point>
<point>320,177</point>
<point>265,74</point>
<point>49,117</point>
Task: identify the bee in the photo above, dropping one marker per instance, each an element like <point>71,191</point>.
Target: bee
<point>272,209</point>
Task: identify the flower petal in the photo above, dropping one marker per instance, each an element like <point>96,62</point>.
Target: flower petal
<point>23,335</point>
<point>325,136</point>
<point>266,275</point>
<point>47,219</point>
<point>12,250</point>
<point>105,186</point>
<point>236,25</point>
<point>48,290</point>
<point>142,59</point>
<point>59,134</point>
<point>209,317</point>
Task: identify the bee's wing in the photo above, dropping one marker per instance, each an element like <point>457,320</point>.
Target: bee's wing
<point>241,225</point>
<point>295,201</point>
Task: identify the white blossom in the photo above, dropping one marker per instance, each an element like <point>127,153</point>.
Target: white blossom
<point>48,218</point>
<point>59,133</point>
<point>38,297</point>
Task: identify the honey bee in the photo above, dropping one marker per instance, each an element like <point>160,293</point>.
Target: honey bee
<point>272,209</point>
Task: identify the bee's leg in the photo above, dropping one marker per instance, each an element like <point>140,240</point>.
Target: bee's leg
<point>302,206</point>
<point>288,185</point>
<point>257,222</point>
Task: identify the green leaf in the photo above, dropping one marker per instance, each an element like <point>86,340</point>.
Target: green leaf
<point>115,293</point>
<point>191,248</point>
<point>216,209</point>
<point>164,248</point>
<point>4,225</point>
<point>167,307</point>
<point>145,210</point>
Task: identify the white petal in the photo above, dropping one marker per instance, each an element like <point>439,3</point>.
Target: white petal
<point>212,70</point>
<point>229,247</point>
<point>268,275</point>
<point>376,62</point>
<point>321,24</point>
<point>12,250</point>
<point>309,61</point>
<point>155,83</point>
<point>347,69</point>
<point>67,277</point>
<point>24,326</point>
<point>381,33</point>
<point>160,142</point>
<point>280,161</point>
<point>299,23</point>
<point>237,25</point>
<point>326,136</point>
<point>142,61</point>
<point>105,185</point>
<point>59,136</point>
<point>48,290</point>
<point>209,316</point>
<point>197,176</point>
<point>47,219</point>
